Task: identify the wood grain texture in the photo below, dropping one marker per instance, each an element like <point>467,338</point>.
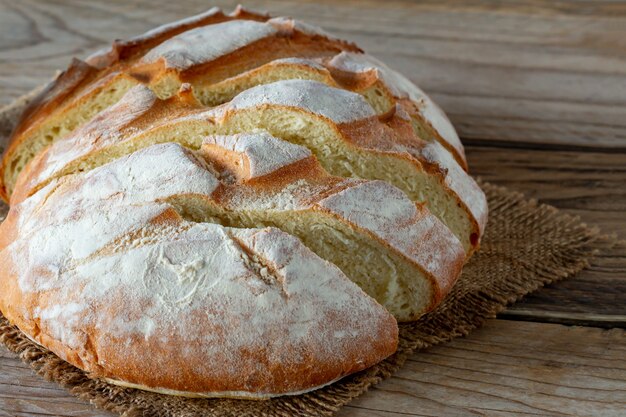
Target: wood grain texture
<point>503,369</point>
<point>532,71</point>
<point>537,90</point>
<point>591,185</point>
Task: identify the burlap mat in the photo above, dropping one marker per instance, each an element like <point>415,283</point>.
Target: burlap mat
<point>526,246</point>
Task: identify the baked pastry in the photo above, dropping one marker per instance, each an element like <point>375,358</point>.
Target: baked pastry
<point>246,198</point>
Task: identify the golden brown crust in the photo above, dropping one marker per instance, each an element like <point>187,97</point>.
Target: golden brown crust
<point>154,364</point>
<point>128,50</point>
<point>303,318</point>
<point>389,134</point>
<point>122,57</point>
<point>78,74</point>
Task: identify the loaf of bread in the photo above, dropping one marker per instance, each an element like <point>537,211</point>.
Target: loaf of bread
<point>231,205</point>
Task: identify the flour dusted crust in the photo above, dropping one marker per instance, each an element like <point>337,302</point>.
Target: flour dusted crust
<point>251,156</point>
<point>347,113</point>
<point>70,89</point>
<point>220,309</point>
<point>400,87</point>
<point>246,198</point>
<point>207,43</point>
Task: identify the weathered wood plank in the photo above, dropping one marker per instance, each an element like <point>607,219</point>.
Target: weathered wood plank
<point>506,368</point>
<point>591,185</point>
<point>588,184</point>
<point>595,297</point>
<point>534,71</point>
<point>511,368</point>
<point>23,393</point>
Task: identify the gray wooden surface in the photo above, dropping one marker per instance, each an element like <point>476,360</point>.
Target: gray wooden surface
<point>537,90</point>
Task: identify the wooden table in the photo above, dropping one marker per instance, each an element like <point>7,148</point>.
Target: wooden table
<point>537,90</point>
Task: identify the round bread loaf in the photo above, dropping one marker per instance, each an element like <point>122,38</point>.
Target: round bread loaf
<point>231,205</point>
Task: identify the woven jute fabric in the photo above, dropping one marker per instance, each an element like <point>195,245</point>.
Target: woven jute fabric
<point>526,245</point>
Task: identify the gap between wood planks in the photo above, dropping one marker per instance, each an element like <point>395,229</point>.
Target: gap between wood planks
<point>539,146</point>
<point>589,184</point>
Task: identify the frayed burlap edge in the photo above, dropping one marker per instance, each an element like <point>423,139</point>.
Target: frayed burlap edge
<point>526,245</point>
